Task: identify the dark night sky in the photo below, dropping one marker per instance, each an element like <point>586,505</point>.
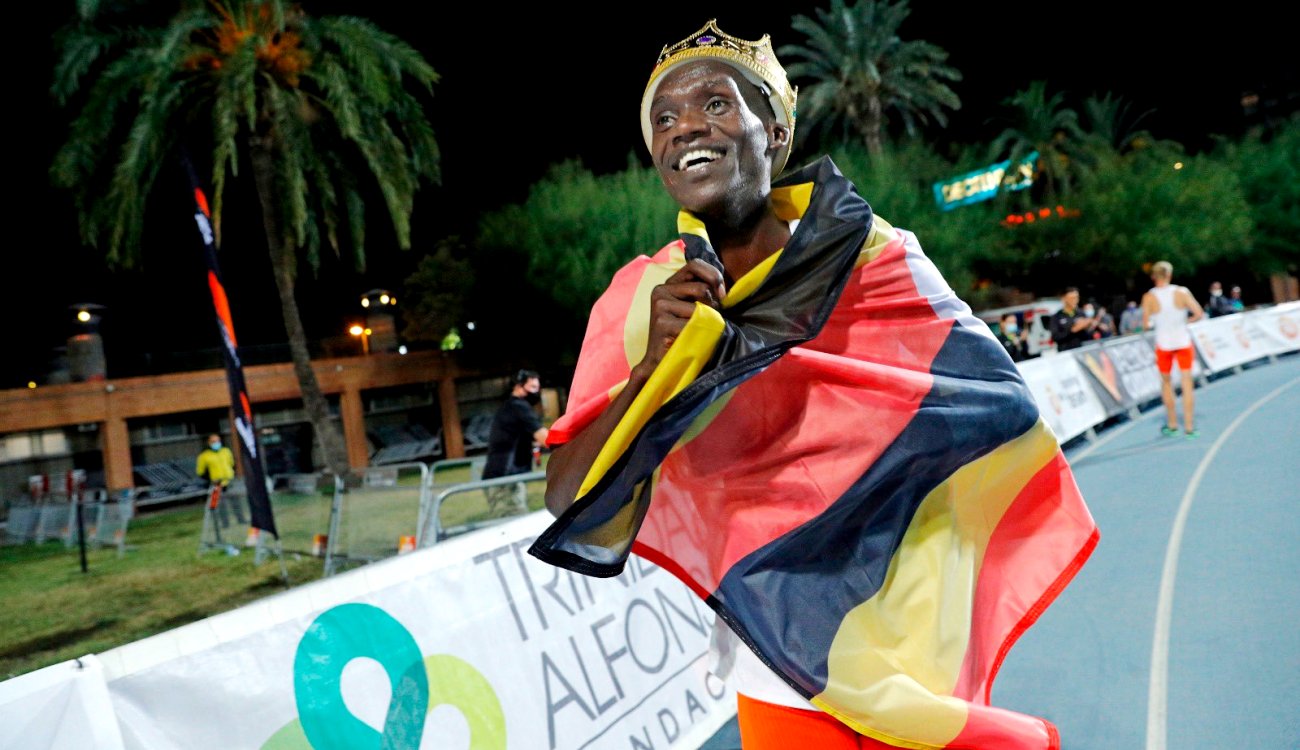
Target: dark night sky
<point>524,88</point>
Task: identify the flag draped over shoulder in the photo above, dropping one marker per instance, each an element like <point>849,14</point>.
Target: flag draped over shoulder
<point>844,463</point>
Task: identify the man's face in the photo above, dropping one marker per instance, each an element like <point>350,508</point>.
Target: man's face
<point>1216,289</point>
<point>1070,300</point>
<point>711,146</point>
<point>532,385</point>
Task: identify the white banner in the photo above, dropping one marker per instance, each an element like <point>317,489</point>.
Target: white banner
<point>61,707</point>
<point>469,644</point>
<point>1280,325</point>
<point>1232,340</point>
<point>1066,400</point>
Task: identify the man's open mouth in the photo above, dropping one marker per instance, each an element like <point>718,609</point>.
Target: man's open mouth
<point>698,157</point>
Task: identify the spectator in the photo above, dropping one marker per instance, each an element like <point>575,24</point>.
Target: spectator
<point>1218,305</point>
<point>1130,321</point>
<point>1105,324</point>
<point>217,465</point>
<point>515,429</point>
<point>1237,304</point>
<point>1070,326</point>
<point>1012,338</point>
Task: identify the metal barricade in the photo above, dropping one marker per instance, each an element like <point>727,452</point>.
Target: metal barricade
<point>480,506</point>
<point>376,514</point>
<point>303,505</point>
<point>54,517</point>
<point>92,501</point>
<point>20,525</point>
<point>457,470</point>
<point>111,520</point>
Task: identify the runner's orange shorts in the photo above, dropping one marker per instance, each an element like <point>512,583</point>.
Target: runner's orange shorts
<point>1165,359</point>
<point>767,726</point>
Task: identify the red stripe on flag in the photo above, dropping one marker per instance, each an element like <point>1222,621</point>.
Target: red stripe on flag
<point>1038,546</point>
<point>222,305</point>
<point>670,566</point>
<point>759,473</point>
<point>248,409</point>
<point>202,200</point>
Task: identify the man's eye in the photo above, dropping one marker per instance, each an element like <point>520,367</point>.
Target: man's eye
<point>664,120</point>
<point>716,105</point>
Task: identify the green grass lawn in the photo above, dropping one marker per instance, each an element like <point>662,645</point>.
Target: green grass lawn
<point>50,611</point>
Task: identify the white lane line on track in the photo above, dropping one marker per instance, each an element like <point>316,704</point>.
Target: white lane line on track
<point>1158,689</point>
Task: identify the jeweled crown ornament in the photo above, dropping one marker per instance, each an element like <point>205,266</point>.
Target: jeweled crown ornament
<point>755,60</point>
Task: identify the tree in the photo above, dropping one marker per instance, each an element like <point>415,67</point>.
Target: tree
<point>1043,124</point>
<point>861,71</point>
<point>576,228</point>
<point>1136,210</point>
<point>437,293</point>
<point>1112,125</point>
<point>1269,171</point>
<point>307,103</point>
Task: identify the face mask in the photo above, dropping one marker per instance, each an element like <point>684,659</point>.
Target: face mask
<point>215,446</point>
<point>533,398</point>
<point>1011,328</point>
<point>1216,293</point>
<point>1088,311</point>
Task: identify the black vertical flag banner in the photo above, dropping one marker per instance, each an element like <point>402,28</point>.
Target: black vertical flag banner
<point>250,452</point>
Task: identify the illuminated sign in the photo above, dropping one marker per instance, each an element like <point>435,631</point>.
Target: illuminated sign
<point>983,184</point>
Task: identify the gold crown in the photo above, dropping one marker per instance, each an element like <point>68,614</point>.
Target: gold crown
<point>755,60</point>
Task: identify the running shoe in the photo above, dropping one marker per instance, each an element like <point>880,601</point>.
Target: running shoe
<point>1193,433</point>
<point>1168,431</point>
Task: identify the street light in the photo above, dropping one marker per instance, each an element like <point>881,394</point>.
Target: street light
<point>380,310</point>
<point>364,334</point>
<point>85,346</point>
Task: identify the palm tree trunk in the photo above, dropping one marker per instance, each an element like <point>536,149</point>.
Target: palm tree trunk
<point>873,123</point>
<point>284,265</point>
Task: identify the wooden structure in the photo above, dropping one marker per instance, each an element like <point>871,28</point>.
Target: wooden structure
<point>110,403</point>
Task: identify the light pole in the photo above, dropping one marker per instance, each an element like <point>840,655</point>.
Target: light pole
<point>380,307</point>
<point>362,333</point>
<point>85,346</point>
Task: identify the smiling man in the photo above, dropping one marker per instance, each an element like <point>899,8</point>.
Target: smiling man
<point>789,409</point>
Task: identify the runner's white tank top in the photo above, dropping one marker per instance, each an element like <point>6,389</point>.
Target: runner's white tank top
<point>1170,321</point>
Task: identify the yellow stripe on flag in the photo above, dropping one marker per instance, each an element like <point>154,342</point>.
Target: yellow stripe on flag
<point>896,658</point>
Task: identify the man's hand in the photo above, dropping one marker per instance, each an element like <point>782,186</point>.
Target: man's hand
<point>673,302</point>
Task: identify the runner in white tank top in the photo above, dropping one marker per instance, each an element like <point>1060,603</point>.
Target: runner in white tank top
<point>1170,308</point>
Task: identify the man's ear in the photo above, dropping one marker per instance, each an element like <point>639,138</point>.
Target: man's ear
<point>778,135</point>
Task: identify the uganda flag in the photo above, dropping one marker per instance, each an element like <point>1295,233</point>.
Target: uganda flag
<point>844,463</point>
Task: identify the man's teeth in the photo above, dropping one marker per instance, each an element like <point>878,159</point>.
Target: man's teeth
<point>697,157</point>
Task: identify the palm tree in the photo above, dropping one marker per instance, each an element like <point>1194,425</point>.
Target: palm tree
<point>861,71</point>
<point>307,103</point>
<point>1113,126</point>
<point>1046,125</point>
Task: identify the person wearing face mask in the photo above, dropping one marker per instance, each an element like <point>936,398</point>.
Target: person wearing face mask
<point>515,429</point>
<point>217,465</point>
<point>1012,338</point>
<point>1218,304</point>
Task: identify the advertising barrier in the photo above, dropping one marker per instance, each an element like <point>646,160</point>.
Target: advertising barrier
<point>1068,404</point>
<point>61,706</point>
<point>1233,340</point>
<point>1123,371</point>
<point>468,644</point>
<point>1281,326</point>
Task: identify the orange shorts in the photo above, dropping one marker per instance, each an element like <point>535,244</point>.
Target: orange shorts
<point>1165,359</point>
<point>766,726</point>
